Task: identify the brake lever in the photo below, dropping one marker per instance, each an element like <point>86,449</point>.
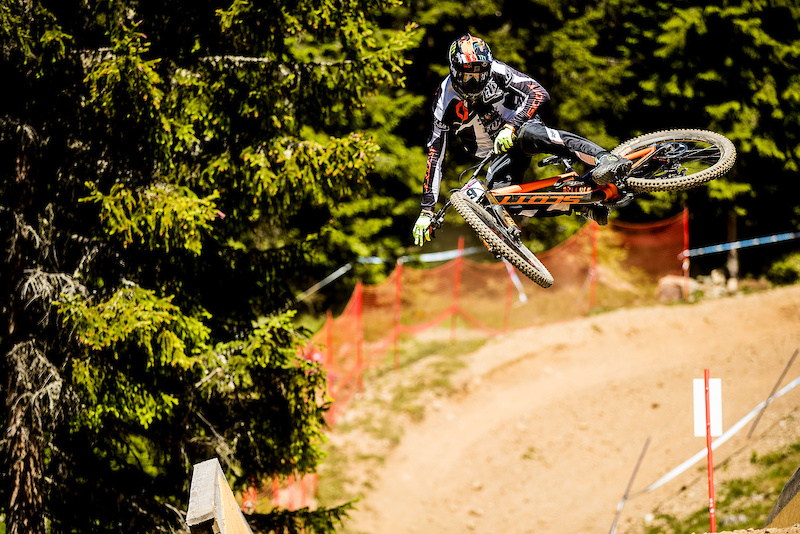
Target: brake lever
<point>437,221</point>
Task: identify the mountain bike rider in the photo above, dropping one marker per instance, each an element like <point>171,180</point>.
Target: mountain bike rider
<point>493,107</point>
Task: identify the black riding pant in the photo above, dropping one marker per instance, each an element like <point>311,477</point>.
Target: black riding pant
<point>536,138</point>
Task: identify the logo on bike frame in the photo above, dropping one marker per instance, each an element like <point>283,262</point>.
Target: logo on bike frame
<point>540,198</point>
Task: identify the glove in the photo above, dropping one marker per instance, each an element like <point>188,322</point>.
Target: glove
<point>421,228</point>
<point>504,139</point>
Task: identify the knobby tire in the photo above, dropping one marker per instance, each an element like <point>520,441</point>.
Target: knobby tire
<point>499,242</point>
<point>710,155</point>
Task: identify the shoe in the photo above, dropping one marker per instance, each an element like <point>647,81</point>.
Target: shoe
<point>594,212</point>
<point>610,167</point>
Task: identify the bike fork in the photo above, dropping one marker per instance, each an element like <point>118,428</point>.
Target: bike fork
<point>506,220</point>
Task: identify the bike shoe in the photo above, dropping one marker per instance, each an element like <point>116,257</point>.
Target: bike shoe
<point>610,167</point>
<point>594,212</point>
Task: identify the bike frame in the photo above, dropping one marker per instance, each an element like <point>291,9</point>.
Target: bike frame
<point>667,160</point>
<point>567,188</point>
<point>545,193</point>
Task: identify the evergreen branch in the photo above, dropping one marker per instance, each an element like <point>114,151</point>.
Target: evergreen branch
<point>303,520</point>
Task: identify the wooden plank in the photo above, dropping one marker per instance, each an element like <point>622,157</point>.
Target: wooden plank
<point>786,511</point>
<point>212,506</point>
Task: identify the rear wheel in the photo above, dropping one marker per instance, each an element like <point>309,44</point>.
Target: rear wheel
<point>499,241</point>
<point>684,159</point>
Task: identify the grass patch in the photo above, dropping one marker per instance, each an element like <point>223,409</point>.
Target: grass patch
<point>332,492</point>
<point>411,351</point>
<point>394,394</point>
<point>741,503</point>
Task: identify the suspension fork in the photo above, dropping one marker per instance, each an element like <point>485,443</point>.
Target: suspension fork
<point>438,218</point>
<point>492,205</point>
<point>502,216</point>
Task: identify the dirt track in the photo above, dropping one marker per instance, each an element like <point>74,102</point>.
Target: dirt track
<point>551,420</point>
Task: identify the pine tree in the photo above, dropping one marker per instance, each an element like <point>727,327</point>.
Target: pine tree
<point>168,172</point>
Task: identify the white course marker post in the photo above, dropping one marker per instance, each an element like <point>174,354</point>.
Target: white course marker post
<point>708,410</point>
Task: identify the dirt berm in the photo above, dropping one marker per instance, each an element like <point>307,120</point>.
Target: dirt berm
<point>548,423</point>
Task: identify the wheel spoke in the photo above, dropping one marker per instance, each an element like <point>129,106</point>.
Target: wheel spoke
<point>695,158</point>
<point>684,158</point>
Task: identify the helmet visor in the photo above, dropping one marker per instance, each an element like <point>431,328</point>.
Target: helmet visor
<point>473,82</point>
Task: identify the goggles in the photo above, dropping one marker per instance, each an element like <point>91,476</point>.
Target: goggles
<point>473,80</point>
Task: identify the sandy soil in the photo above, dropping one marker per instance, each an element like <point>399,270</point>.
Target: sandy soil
<point>548,423</point>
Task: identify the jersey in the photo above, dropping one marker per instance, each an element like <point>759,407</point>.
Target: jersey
<point>510,97</point>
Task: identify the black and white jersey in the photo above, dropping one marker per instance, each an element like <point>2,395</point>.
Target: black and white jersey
<point>510,97</point>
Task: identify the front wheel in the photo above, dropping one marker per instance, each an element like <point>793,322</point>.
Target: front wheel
<point>499,241</point>
<point>683,159</point>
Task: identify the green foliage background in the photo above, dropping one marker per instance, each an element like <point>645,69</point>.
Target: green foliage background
<point>171,174</point>
<point>620,68</point>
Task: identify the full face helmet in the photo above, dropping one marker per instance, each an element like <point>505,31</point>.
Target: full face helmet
<point>470,64</point>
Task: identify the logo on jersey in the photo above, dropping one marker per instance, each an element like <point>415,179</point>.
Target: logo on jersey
<point>492,122</point>
<point>492,92</point>
<point>439,124</point>
<point>461,111</point>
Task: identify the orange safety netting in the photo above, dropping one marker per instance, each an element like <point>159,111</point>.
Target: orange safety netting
<point>607,267</point>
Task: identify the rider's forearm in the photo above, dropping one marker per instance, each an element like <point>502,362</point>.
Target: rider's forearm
<point>535,96</point>
<point>428,202</point>
<point>433,173</point>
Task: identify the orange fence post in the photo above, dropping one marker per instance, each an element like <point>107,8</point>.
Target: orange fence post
<point>459,261</point>
<point>712,512</point>
<point>398,290</point>
<point>359,298</point>
<point>329,337</point>
<point>291,493</point>
<point>329,361</point>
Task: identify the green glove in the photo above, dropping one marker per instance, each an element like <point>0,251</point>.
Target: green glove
<point>504,139</point>
<point>421,227</point>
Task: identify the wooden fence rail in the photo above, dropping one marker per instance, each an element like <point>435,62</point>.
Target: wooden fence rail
<point>212,507</point>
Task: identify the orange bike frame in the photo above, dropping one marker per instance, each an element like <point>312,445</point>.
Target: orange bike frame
<point>537,194</point>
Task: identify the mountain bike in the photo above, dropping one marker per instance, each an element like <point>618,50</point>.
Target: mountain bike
<point>668,160</point>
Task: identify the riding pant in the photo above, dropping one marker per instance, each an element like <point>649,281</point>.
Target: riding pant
<point>536,138</point>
